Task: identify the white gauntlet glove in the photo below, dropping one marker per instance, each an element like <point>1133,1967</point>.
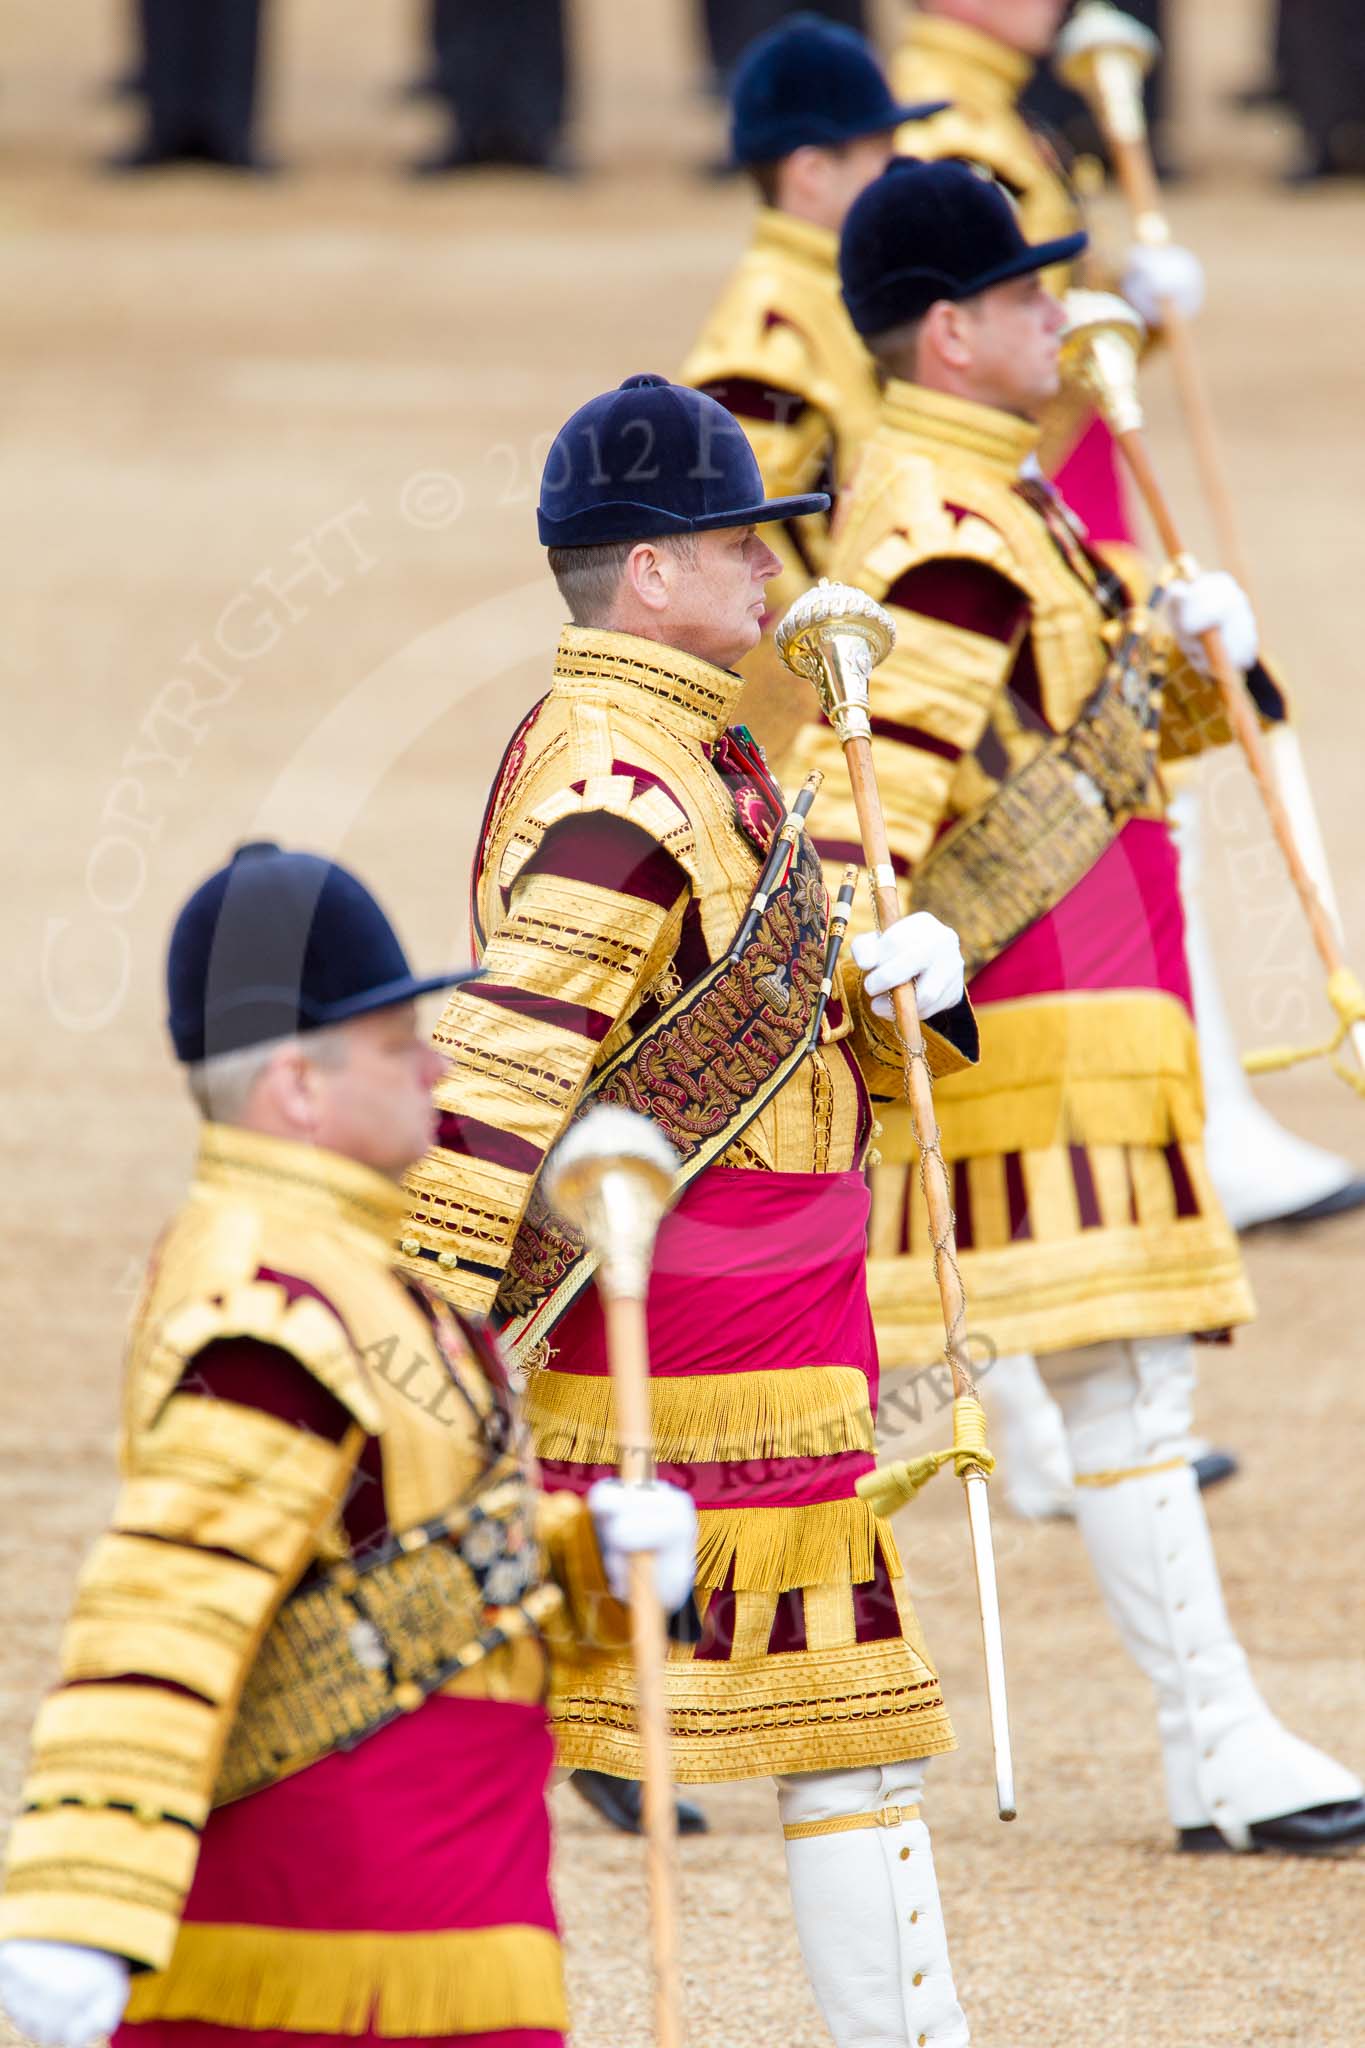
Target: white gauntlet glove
<point>60,1996</point>
<point>1159,272</point>
<point>1213,599</point>
<point>658,1518</point>
<point>916,948</point>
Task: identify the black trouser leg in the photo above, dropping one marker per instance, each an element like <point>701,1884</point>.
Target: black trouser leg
<point>1323,52</point>
<point>507,74</point>
<point>731,25</point>
<point>1057,107</point>
<point>201,64</point>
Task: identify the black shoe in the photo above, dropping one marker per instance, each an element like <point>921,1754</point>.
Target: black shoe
<point>621,1802</point>
<point>548,159</point>
<point>1316,167</point>
<point>1314,1831</point>
<point>158,156</point>
<point>143,156</point>
<point>1342,1200</point>
<point>1213,1468</point>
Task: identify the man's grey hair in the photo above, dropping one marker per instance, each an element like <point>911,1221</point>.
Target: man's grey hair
<point>221,1086</point>
<point>897,350</point>
<point>589,578</point>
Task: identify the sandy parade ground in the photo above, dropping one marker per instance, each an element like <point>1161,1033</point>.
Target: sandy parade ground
<point>267,480</point>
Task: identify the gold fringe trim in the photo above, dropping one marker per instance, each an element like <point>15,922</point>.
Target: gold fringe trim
<point>468,1981</point>
<point>810,1411</point>
<point>772,1550</point>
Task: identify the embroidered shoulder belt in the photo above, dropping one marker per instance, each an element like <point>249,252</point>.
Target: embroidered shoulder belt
<point>997,873</point>
<point>702,1070</point>
<point>373,1639</point>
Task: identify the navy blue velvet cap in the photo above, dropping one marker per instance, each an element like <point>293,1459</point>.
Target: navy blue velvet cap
<point>924,232</point>
<point>651,459</point>
<point>279,943</point>
<point>811,82</point>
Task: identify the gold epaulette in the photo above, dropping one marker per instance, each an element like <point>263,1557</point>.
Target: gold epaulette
<point>621,700</point>
<point>305,1328</point>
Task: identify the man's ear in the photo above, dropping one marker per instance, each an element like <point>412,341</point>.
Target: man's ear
<point>947,333</point>
<point>289,1082</point>
<point>647,574</point>
<point>803,173</point>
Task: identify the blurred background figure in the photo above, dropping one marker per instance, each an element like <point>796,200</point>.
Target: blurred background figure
<point>1065,112</point>
<point>731,25</point>
<point>505,72</point>
<point>1320,49</point>
<point>198,73</point>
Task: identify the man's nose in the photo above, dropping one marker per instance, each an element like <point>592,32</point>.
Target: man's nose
<point>770,564</point>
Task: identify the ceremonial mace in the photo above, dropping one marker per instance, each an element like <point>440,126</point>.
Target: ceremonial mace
<point>834,636</point>
<point>612,1178</point>
<point>1104,55</point>
<point>1100,348</point>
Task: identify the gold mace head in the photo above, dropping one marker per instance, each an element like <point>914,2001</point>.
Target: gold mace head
<point>1104,55</point>
<point>834,636</point>
<point>611,1176</point>
<point>1100,346</point>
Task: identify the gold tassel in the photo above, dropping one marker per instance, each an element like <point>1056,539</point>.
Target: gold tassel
<point>890,1487</point>
<point>834,1543</point>
<point>810,1411</point>
<point>405,1986</point>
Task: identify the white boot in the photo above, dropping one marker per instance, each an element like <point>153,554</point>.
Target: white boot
<point>867,1907</point>
<point>1228,1761</point>
<point>1261,1171</point>
<point>1029,1437</point>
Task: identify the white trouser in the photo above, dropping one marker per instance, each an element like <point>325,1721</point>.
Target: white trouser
<point>867,1909</point>
<point>1228,1761</point>
<point>1260,1170</point>
<point>1028,1436</point>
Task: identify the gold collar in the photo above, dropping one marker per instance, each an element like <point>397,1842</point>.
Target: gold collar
<point>937,422</point>
<point>317,1186</point>
<point>801,240</point>
<point>691,697</point>
<point>988,68</point>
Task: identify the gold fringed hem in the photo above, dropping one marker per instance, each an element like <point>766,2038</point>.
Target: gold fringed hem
<point>755,1717</point>
<point>808,1411</point>
<point>404,1986</point>
<point>772,1550</point>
